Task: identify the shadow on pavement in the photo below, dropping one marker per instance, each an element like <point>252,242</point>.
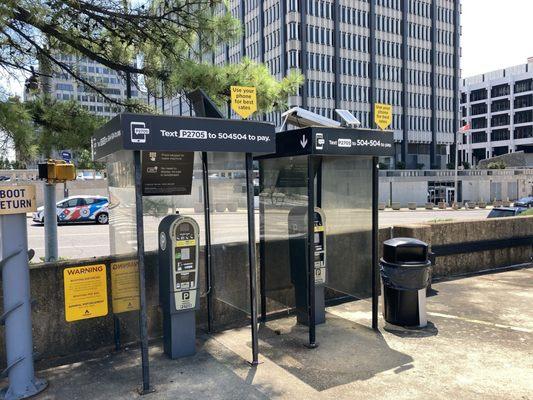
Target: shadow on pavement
<point>347,352</point>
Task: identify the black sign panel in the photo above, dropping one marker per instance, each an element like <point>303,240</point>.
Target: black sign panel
<point>335,141</point>
<point>173,133</point>
<point>167,173</point>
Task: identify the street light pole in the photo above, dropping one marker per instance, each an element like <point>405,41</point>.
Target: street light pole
<point>455,196</point>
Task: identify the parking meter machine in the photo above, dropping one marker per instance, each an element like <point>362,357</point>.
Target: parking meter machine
<point>298,252</point>
<point>179,244</point>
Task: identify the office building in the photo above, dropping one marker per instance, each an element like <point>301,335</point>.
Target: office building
<point>498,107</point>
<point>355,53</point>
<point>63,87</point>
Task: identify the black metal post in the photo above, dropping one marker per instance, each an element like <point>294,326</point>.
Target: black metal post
<point>116,331</point>
<point>207,248</point>
<point>252,263</point>
<point>311,250</point>
<point>143,320</point>
<point>262,271</point>
<point>375,242</point>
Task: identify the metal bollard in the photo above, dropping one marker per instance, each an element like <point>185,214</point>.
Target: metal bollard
<point>50,222</point>
<point>17,309</point>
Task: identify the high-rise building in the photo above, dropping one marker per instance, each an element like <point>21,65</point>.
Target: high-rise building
<point>498,106</point>
<point>355,53</point>
<point>64,87</point>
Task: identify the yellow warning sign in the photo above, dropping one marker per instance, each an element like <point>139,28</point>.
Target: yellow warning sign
<point>85,292</point>
<point>243,100</point>
<point>17,199</point>
<point>125,286</point>
<point>383,115</point>
<point>319,228</point>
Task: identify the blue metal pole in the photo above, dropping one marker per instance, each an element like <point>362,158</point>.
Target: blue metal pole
<point>50,223</point>
<point>17,309</point>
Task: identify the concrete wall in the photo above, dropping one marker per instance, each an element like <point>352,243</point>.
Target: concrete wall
<point>54,337</point>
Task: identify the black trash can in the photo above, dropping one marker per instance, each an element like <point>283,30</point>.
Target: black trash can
<point>405,271</point>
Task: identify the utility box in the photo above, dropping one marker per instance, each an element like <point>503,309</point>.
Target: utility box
<point>179,244</point>
<point>299,273</point>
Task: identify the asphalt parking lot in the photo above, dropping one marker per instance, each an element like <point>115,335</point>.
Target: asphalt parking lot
<point>85,240</point>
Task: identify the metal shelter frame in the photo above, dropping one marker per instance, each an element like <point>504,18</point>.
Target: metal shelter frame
<point>117,135</point>
<point>305,142</point>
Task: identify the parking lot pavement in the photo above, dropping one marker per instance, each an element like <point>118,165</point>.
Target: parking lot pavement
<point>87,240</point>
<point>476,346</point>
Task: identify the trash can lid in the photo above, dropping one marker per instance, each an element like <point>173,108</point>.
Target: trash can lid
<point>402,250</point>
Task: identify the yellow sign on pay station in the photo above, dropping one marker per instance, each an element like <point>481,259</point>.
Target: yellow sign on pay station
<point>243,100</point>
<point>383,115</point>
<point>85,292</point>
<point>125,286</point>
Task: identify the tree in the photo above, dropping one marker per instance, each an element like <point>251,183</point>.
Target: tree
<point>170,37</point>
<point>42,125</point>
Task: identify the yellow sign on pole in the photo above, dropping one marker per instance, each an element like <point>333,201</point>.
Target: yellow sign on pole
<point>383,115</point>
<point>17,199</point>
<point>244,100</point>
<point>125,286</point>
<point>85,292</point>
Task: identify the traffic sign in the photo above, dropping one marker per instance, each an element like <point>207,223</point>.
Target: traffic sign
<point>66,155</point>
<point>383,115</point>
<point>244,100</point>
<point>85,292</point>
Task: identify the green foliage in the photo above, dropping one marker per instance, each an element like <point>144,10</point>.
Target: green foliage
<point>527,212</point>
<point>496,165</point>
<point>465,164</point>
<point>400,165</point>
<point>420,166</point>
<point>43,125</point>
<point>383,166</point>
<point>450,165</point>
<point>216,81</point>
<point>85,161</point>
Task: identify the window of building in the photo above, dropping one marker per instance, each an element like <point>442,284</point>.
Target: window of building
<point>500,90</point>
<point>500,120</point>
<point>523,101</point>
<point>479,137</point>
<point>521,117</point>
<point>525,85</point>
<point>479,123</point>
<point>523,132</point>
<point>500,105</point>
<point>480,94</point>
<point>477,109</point>
<point>500,134</point>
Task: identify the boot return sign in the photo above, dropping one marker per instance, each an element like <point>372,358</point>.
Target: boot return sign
<point>17,199</point>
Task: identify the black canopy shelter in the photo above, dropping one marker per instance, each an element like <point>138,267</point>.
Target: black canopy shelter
<point>330,174</point>
<point>123,144</point>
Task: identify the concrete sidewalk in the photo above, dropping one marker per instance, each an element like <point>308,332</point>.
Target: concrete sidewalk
<point>477,346</point>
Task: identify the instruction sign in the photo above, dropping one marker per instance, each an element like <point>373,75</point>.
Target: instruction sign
<point>85,292</point>
<point>383,115</point>
<point>17,199</point>
<point>244,100</point>
<point>167,173</point>
<point>125,286</point>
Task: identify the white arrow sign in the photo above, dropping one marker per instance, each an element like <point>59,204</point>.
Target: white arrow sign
<point>303,142</point>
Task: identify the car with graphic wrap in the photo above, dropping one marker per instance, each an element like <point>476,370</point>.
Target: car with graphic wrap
<point>79,209</point>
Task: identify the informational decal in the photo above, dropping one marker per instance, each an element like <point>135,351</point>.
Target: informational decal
<point>164,133</point>
<point>383,115</point>
<point>17,199</point>
<point>85,292</point>
<point>185,300</point>
<point>167,173</point>
<point>243,100</point>
<point>125,286</point>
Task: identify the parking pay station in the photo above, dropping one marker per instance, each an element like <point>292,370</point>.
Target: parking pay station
<point>202,167</point>
<point>318,222</point>
<point>297,248</point>
<point>179,244</point>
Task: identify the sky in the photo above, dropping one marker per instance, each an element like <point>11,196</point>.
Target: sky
<point>496,34</point>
